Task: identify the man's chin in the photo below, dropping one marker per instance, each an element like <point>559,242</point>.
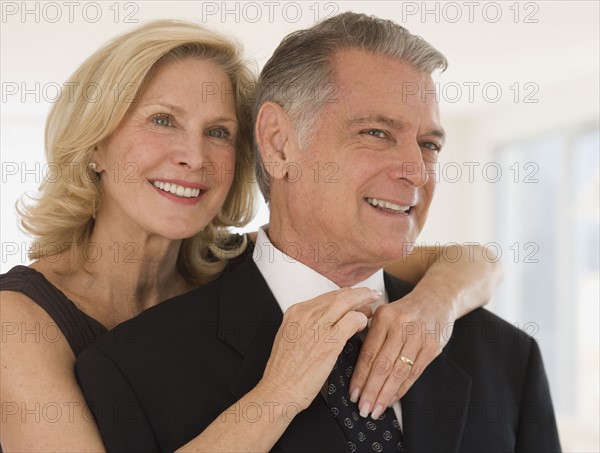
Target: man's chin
<point>395,251</point>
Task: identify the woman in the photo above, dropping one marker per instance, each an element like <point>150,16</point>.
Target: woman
<point>143,218</point>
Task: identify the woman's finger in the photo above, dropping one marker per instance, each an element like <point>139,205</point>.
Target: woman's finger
<point>402,367</point>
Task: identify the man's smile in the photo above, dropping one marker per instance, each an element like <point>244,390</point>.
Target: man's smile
<point>388,205</point>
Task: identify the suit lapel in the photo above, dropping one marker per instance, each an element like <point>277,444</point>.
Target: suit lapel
<point>434,411</point>
<point>249,317</point>
<point>314,430</point>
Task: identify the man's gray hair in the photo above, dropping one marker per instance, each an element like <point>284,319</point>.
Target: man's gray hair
<point>299,75</point>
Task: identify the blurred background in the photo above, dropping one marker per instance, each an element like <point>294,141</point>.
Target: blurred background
<point>519,173</point>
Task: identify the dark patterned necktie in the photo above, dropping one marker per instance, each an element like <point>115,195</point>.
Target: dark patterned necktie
<point>363,434</point>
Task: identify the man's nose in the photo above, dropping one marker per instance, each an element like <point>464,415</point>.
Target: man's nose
<point>409,165</point>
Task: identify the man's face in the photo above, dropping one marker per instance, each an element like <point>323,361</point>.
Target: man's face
<point>367,179</point>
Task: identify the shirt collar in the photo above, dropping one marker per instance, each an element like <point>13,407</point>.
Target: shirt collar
<point>291,281</point>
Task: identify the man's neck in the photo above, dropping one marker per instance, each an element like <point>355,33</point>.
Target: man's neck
<point>324,257</point>
<point>292,281</point>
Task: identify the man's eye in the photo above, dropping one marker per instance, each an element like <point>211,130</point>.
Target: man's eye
<point>378,133</point>
<point>162,119</point>
<point>432,146</point>
<point>219,133</point>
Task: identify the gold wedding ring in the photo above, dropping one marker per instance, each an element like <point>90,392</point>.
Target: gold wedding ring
<point>407,360</point>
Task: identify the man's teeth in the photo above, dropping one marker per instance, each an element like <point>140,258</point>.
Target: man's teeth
<point>386,204</point>
<point>176,189</point>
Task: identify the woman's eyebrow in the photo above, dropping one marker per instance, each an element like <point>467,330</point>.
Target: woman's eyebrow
<point>180,111</point>
<point>173,108</point>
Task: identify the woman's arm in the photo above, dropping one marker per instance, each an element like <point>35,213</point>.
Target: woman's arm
<point>43,408</point>
<point>230,432</point>
<point>466,276</point>
<point>450,282</point>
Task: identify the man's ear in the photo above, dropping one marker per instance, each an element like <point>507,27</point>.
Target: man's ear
<point>275,138</point>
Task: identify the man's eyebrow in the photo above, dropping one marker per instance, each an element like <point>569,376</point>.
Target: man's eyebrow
<point>378,119</point>
<point>439,133</point>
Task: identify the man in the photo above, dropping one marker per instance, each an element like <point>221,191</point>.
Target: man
<point>348,131</point>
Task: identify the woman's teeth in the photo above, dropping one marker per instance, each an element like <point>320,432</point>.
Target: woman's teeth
<point>176,189</point>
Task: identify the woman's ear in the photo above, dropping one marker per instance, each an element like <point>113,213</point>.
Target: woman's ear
<point>98,154</point>
<point>275,138</point>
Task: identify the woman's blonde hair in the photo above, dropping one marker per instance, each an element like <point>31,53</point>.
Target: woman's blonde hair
<point>95,100</point>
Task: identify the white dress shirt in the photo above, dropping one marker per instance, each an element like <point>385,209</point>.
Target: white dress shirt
<point>291,282</point>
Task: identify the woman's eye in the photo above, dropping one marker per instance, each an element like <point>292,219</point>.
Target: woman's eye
<point>219,133</point>
<point>163,120</point>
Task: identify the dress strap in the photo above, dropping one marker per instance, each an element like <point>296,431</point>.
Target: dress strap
<point>79,329</point>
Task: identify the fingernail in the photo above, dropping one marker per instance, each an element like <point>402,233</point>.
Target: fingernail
<point>364,407</point>
<point>377,411</point>
<point>354,395</point>
<point>377,293</point>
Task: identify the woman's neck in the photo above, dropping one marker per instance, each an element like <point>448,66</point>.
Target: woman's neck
<point>121,274</point>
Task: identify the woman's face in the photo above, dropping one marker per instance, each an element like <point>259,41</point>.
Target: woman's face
<point>168,167</point>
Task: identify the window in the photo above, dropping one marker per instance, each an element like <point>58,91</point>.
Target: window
<point>547,215</point>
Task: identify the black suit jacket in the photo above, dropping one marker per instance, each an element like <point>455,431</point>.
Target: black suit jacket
<point>158,380</point>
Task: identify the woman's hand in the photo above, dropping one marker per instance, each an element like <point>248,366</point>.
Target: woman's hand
<point>308,343</point>
<point>412,328</point>
<point>311,337</point>
<point>405,336</point>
